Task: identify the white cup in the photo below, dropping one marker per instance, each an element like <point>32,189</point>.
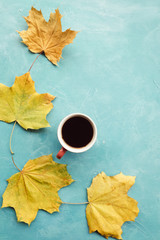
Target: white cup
<point>65,146</point>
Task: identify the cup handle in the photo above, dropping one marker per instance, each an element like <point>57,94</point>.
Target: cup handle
<point>61,153</point>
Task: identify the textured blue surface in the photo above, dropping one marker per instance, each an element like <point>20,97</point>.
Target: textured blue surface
<point>112,73</point>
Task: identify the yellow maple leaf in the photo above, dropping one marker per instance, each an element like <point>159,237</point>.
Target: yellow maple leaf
<point>109,205</point>
<point>21,103</point>
<point>36,187</point>
<point>47,37</point>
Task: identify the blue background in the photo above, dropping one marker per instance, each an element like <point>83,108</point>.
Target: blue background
<point>112,73</point>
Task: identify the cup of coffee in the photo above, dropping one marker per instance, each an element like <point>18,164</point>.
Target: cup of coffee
<point>76,133</point>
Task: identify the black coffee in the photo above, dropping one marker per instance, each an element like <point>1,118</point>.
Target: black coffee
<point>77,132</point>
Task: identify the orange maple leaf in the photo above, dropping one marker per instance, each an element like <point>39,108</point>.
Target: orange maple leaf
<point>46,37</point>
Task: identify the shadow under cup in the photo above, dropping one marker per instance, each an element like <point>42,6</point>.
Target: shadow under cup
<point>77,133</point>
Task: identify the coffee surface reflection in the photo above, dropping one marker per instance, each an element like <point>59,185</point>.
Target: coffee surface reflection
<point>77,132</point>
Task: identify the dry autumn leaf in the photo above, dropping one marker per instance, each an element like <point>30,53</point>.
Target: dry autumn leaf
<point>36,187</point>
<point>22,104</point>
<point>109,205</point>
<point>46,37</point>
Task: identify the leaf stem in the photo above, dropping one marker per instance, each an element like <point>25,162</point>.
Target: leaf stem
<point>34,61</point>
<point>15,164</point>
<point>11,138</point>
<point>75,203</point>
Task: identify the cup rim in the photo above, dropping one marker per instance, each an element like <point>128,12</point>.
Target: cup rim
<point>73,149</point>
